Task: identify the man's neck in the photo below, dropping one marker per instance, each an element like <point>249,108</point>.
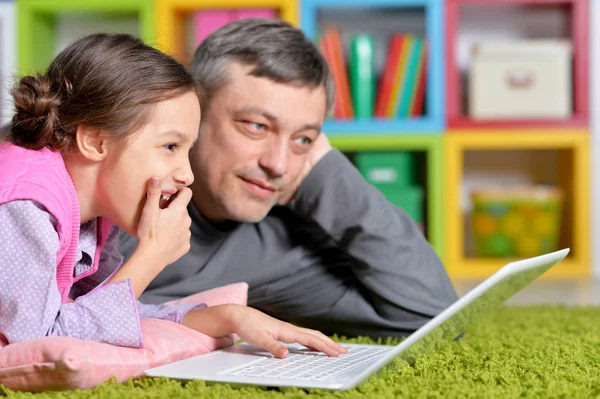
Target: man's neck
<point>220,225</point>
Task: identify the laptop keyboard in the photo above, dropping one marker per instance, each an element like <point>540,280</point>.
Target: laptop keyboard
<point>309,365</point>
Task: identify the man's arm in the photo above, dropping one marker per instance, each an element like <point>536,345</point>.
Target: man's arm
<point>393,261</point>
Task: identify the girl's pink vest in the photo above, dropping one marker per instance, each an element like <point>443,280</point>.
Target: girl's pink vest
<point>42,176</point>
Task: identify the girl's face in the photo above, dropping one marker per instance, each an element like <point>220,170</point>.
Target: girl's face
<point>161,149</point>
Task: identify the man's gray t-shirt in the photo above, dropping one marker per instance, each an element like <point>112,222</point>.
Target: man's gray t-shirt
<point>341,259</point>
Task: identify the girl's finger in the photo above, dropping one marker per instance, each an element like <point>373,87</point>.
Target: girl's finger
<point>267,342</point>
<point>182,198</point>
<point>152,204</point>
<point>324,337</point>
<point>311,341</point>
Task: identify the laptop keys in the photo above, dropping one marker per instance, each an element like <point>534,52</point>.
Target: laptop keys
<point>309,365</point>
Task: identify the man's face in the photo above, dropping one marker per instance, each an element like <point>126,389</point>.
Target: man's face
<point>253,144</point>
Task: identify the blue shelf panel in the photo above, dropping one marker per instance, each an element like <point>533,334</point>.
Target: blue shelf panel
<point>382,127</point>
<point>435,119</point>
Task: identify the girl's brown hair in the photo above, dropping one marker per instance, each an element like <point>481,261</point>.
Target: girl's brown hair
<point>107,81</point>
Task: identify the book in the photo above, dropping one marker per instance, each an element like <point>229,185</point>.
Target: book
<point>333,52</point>
<point>362,75</point>
<point>389,75</point>
<point>419,99</point>
<point>408,89</point>
<point>400,77</point>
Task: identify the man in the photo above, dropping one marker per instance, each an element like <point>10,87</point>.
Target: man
<point>275,206</point>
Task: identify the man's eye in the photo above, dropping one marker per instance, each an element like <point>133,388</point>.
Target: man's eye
<point>304,140</point>
<point>256,126</point>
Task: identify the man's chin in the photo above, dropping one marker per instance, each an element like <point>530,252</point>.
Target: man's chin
<point>250,214</point>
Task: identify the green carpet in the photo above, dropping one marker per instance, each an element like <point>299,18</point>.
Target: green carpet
<point>541,352</point>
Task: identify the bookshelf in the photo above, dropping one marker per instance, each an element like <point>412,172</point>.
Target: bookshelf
<point>39,25</point>
<point>471,148</point>
<point>454,151</point>
<point>7,58</point>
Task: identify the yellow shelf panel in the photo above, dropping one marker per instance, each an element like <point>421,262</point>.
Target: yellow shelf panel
<point>576,179</point>
<point>170,18</point>
<point>517,138</point>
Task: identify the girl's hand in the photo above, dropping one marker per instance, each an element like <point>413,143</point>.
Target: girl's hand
<point>260,330</point>
<point>257,329</point>
<point>165,232</point>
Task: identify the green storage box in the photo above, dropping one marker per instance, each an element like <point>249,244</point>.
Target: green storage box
<point>409,199</point>
<point>518,222</point>
<point>390,172</point>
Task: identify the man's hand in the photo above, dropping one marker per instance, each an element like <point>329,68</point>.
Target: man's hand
<point>320,147</point>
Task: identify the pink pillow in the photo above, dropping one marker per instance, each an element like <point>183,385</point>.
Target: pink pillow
<point>59,363</point>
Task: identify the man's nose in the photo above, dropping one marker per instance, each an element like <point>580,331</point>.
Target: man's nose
<point>275,158</point>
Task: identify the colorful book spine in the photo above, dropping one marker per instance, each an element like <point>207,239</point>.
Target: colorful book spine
<point>417,106</point>
<point>362,75</point>
<point>331,45</point>
<point>400,78</point>
<point>408,89</point>
<point>388,78</point>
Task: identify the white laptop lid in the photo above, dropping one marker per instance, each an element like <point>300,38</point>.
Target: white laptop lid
<point>452,323</point>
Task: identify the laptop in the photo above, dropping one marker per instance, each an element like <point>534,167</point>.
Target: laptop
<point>303,368</point>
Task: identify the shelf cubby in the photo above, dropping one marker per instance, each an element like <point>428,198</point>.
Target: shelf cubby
<point>420,17</point>
<point>511,159</point>
<point>470,21</point>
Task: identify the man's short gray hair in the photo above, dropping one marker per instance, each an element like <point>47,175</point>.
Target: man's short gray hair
<point>277,51</point>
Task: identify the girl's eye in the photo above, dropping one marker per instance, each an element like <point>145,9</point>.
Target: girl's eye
<point>171,147</point>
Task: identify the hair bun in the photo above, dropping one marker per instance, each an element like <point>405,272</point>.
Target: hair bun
<point>36,120</point>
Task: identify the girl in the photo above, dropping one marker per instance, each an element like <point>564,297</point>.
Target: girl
<point>103,138</point>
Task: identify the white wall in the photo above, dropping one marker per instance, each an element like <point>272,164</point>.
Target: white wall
<point>7,59</point>
<point>595,127</point>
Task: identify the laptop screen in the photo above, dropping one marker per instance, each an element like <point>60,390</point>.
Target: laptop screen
<point>452,323</point>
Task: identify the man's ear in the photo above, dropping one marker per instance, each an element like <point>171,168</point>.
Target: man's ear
<point>92,144</point>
